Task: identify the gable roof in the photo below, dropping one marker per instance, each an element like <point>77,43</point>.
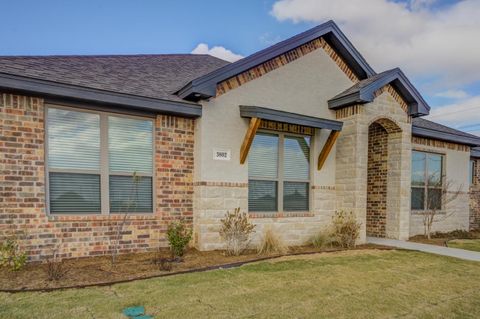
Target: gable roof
<point>364,92</point>
<point>426,128</point>
<point>205,86</point>
<point>151,78</point>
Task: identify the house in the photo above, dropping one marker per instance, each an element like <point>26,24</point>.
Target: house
<point>290,134</point>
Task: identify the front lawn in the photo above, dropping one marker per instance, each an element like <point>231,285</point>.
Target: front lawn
<point>468,244</point>
<point>353,284</point>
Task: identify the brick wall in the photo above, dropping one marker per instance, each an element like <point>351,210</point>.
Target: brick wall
<point>22,188</point>
<point>475,197</point>
<point>377,180</point>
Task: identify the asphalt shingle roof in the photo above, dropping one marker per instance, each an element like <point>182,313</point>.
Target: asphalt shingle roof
<point>422,123</point>
<point>154,76</point>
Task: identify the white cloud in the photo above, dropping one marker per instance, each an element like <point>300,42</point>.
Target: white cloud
<point>423,40</point>
<point>217,51</point>
<point>453,94</point>
<point>463,115</point>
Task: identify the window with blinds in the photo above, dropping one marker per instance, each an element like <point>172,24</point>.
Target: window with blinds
<point>98,162</point>
<point>279,173</point>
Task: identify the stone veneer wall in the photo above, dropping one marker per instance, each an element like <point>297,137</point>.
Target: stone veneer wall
<point>352,161</point>
<point>377,180</point>
<point>213,199</point>
<point>22,188</point>
<point>475,197</point>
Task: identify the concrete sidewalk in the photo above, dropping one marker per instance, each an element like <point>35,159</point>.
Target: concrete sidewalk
<point>444,251</point>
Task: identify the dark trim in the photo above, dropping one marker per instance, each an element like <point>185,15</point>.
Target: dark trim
<point>366,94</point>
<point>205,86</point>
<point>66,91</point>
<point>290,118</point>
<point>475,152</point>
<point>97,107</point>
<point>444,136</point>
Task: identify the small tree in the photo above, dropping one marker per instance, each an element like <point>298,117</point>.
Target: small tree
<point>236,230</point>
<point>131,204</point>
<point>437,201</point>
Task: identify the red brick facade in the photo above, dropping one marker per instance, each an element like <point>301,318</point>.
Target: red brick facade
<point>22,188</point>
<point>377,180</point>
<point>475,197</point>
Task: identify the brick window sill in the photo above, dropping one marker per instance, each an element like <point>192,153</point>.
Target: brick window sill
<point>102,217</point>
<point>422,212</point>
<point>258,215</point>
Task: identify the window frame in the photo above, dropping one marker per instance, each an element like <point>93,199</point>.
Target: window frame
<point>280,179</point>
<point>426,187</point>
<point>471,172</point>
<point>104,171</point>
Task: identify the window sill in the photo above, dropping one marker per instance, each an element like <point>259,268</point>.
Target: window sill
<point>100,217</point>
<point>422,212</point>
<point>258,215</point>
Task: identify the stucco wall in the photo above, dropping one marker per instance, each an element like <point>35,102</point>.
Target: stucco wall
<point>302,86</point>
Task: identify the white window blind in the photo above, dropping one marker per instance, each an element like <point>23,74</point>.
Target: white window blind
<point>279,173</point>
<point>85,176</point>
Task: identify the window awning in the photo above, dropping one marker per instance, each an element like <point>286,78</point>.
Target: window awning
<point>256,114</point>
<point>264,113</point>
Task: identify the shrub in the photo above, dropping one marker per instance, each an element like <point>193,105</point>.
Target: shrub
<point>322,239</point>
<point>345,229</point>
<point>11,256</point>
<point>236,230</point>
<point>56,269</point>
<point>271,244</point>
<point>179,235</point>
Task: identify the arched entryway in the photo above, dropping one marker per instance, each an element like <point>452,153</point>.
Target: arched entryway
<point>384,165</point>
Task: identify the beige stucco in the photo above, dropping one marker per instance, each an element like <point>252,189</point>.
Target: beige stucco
<point>304,86</point>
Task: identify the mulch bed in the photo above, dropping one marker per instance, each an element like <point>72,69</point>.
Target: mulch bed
<point>97,271</point>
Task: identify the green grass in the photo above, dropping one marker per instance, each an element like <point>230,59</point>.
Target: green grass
<point>468,244</point>
<point>357,284</point>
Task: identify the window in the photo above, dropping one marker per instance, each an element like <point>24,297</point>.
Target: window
<point>98,163</point>
<point>427,181</point>
<point>279,173</point>
<point>471,172</point>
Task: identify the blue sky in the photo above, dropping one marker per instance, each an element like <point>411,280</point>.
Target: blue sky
<point>431,40</point>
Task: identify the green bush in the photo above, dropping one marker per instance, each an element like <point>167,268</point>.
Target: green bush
<point>11,256</point>
<point>179,235</point>
<point>345,229</point>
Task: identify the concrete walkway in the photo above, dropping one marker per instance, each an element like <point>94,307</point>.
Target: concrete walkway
<point>433,249</point>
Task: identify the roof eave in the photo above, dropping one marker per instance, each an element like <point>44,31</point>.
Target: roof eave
<point>416,104</point>
<point>60,90</point>
<point>444,136</point>
<point>250,111</point>
<point>475,153</point>
<point>206,85</point>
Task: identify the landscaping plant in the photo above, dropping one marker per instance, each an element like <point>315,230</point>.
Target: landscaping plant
<point>345,229</point>
<point>436,205</point>
<point>271,244</point>
<point>56,268</point>
<point>322,239</point>
<point>236,230</point>
<point>11,256</point>
<point>120,225</point>
<point>178,235</point>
